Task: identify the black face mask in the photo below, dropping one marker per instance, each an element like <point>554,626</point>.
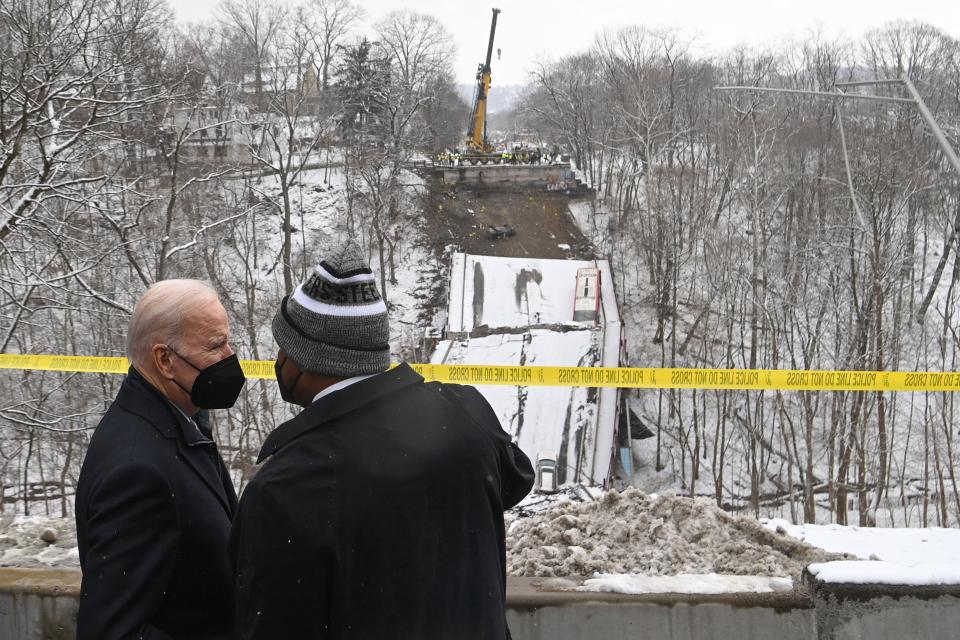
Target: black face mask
<point>217,386</point>
<point>285,392</point>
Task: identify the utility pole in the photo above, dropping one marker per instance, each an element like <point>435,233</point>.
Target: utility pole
<point>840,94</point>
<point>934,127</point>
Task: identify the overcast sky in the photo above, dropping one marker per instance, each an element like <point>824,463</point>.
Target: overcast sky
<point>529,30</point>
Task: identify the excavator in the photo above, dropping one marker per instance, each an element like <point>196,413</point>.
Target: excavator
<point>478,149</point>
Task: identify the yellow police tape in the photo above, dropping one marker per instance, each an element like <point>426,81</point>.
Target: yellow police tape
<point>623,377</point>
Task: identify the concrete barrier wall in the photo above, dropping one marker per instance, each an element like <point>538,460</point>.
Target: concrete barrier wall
<point>40,604</point>
<point>539,615</point>
<point>852,612</point>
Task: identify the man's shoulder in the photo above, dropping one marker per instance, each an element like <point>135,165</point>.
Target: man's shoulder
<point>124,448</point>
<point>125,434</point>
<point>470,403</point>
<point>463,396</point>
<point>288,481</point>
<point>313,451</point>
<point>120,424</point>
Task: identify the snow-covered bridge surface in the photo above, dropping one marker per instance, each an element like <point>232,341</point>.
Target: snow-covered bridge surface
<point>519,311</point>
<point>488,291</point>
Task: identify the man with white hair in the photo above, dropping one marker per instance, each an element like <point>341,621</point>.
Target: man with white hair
<point>154,501</point>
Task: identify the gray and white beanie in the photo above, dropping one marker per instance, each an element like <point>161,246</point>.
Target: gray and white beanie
<point>335,322</point>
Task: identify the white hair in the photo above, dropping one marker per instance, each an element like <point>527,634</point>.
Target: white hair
<point>159,314</point>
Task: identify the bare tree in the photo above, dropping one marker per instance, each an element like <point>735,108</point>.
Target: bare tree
<point>288,134</point>
<point>258,25</point>
<point>329,23</point>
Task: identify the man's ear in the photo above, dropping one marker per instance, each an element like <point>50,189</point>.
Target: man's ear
<point>163,360</point>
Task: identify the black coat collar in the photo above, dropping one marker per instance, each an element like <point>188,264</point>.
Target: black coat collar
<point>337,404</point>
<point>139,397</point>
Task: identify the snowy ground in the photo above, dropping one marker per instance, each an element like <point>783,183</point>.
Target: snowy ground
<point>906,546</point>
<point>888,556</point>
<point>38,541</point>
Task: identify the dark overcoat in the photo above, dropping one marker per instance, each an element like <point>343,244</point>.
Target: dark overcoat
<point>379,514</point>
<point>153,507</point>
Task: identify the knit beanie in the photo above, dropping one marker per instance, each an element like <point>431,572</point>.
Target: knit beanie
<point>335,322</point>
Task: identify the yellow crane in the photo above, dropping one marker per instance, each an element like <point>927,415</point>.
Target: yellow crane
<point>477,148</point>
<point>477,145</point>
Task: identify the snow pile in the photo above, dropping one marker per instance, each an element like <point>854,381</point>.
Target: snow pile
<point>633,533</point>
<point>37,542</point>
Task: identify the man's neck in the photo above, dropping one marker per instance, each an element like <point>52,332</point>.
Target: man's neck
<point>156,381</point>
<point>314,384</point>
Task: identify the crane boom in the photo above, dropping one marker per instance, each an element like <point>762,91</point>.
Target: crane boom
<point>477,133</point>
